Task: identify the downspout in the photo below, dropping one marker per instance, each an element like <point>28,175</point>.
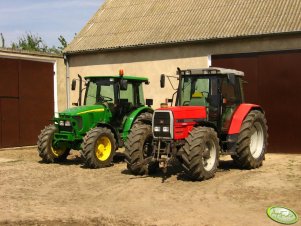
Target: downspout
<point>56,114</point>
<point>67,80</point>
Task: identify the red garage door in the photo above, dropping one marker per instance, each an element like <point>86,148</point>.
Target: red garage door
<point>26,100</point>
<point>274,82</point>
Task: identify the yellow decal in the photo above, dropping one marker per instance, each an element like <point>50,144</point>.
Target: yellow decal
<point>96,110</point>
<point>197,94</point>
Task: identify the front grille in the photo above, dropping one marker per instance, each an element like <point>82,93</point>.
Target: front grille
<point>79,121</point>
<point>163,120</point>
<point>70,123</point>
<point>66,128</point>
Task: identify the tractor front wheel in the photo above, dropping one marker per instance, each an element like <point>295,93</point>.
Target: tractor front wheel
<point>138,147</point>
<point>200,153</point>
<point>47,151</point>
<point>99,148</point>
<point>252,141</point>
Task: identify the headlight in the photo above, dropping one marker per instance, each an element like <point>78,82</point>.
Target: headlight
<point>62,123</point>
<point>165,129</point>
<point>67,123</point>
<point>157,129</point>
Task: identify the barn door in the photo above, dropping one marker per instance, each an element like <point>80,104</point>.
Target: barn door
<point>26,100</point>
<point>274,83</point>
<point>9,122</point>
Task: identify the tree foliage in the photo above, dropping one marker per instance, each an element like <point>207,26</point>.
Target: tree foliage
<point>30,42</point>
<point>2,41</point>
<point>63,43</point>
<point>33,42</point>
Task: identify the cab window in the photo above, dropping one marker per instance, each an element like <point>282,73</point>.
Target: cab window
<point>127,95</point>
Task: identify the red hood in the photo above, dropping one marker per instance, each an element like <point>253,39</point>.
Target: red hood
<point>185,118</point>
<point>187,112</point>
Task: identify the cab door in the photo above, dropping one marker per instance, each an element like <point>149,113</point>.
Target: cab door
<point>231,99</point>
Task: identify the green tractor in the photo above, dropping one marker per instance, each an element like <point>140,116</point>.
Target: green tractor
<point>112,106</point>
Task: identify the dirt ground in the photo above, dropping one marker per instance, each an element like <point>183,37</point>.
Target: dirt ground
<point>32,193</point>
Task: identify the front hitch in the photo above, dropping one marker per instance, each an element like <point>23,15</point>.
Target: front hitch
<point>162,155</point>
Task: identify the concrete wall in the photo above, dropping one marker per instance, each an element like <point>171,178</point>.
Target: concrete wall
<point>59,67</point>
<point>61,85</point>
<point>151,62</point>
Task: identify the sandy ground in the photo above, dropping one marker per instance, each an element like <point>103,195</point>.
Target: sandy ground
<point>32,193</point>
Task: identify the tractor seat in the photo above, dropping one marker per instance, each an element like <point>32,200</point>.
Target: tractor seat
<point>198,99</point>
<point>198,102</point>
<point>125,106</point>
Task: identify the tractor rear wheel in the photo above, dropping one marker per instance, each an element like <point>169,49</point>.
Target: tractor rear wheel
<point>144,118</point>
<point>46,149</point>
<point>252,141</point>
<point>200,153</point>
<point>99,148</point>
<point>138,147</point>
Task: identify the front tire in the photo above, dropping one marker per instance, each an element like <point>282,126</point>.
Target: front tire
<point>99,148</point>
<point>252,141</point>
<point>200,153</point>
<point>47,151</point>
<point>138,147</point>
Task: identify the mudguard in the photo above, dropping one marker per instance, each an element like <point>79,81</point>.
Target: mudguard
<point>239,115</point>
<point>127,125</point>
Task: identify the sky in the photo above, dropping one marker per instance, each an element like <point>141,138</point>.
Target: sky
<point>47,18</point>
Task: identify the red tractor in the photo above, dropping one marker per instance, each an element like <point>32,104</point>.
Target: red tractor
<point>210,118</point>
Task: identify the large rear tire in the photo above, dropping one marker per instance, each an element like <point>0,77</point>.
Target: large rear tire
<point>99,148</point>
<point>137,148</point>
<point>144,118</point>
<point>200,153</point>
<point>47,151</point>
<point>252,141</point>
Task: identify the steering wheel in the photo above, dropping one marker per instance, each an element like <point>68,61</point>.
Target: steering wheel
<point>105,99</point>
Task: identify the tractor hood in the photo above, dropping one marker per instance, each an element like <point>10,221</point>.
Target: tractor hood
<point>187,112</point>
<point>80,120</point>
<point>176,122</point>
<point>82,110</point>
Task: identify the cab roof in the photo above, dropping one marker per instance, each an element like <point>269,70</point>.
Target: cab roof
<point>131,78</point>
<point>212,71</point>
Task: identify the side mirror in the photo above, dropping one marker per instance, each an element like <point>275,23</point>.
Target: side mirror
<point>123,84</point>
<point>149,102</point>
<point>162,81</point>
<point>231,79</point>
<point>73,85</point>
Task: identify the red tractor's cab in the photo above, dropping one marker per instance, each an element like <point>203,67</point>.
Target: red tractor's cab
<point>210,117</point>
<point>207,97</point>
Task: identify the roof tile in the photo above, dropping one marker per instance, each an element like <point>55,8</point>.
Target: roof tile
<point>132,23</point>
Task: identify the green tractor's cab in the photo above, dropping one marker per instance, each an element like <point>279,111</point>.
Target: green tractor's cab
<point>99,125</point>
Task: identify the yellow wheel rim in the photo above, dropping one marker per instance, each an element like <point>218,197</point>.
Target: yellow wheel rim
<point>58,152</point>
<point>103,148</point>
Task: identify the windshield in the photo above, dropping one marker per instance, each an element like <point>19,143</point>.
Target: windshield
<point>99,92</point>
<point>194,91</point>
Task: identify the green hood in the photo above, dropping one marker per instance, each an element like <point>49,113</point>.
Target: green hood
<point>83,110</point>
